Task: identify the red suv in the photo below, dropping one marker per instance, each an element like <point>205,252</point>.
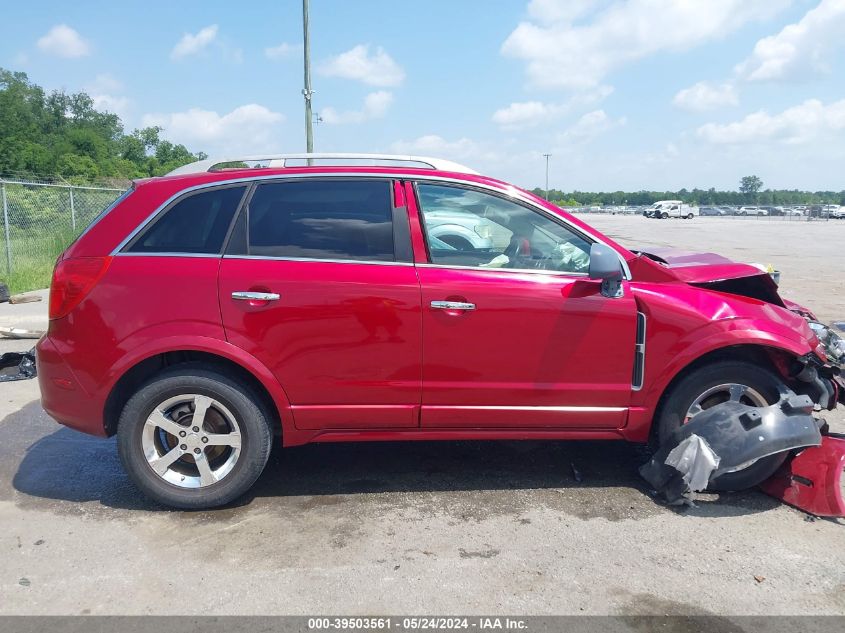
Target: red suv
<point>210,310</point>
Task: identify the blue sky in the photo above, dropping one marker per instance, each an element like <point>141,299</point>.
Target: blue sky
<point>634,94</point>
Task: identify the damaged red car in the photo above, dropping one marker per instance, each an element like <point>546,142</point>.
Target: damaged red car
<point>241,302</point>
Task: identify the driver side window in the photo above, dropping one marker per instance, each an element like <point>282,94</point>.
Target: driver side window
<point>465,227</point>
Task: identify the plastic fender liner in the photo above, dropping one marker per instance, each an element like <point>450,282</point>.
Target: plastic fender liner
<point>738,435</point>
<point>813,480</point>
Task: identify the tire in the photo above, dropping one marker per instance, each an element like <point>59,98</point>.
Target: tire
<point>664,216</point>
<point>678,401</point>
<point>690,216</point>
<point>234,424</point>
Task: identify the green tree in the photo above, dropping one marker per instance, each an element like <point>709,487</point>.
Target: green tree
<point>750,185</point>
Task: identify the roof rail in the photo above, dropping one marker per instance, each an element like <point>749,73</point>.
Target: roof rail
<point>281,160</point>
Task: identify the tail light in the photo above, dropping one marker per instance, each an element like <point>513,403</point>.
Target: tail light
<point>73,279</point>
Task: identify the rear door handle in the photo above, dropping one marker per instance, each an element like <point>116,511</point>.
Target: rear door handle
<point>452,305</point>
<point>255,296</point>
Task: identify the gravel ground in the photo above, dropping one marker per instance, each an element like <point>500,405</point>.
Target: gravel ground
<point>425,528</point>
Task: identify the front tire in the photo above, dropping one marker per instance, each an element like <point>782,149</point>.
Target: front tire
<point>193,438</point>
<point>711,385</point>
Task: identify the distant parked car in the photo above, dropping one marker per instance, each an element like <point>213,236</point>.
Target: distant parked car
<point>752,211</point>
<point>794,211</point>
<point>712,211</point>
<point>836,212</point>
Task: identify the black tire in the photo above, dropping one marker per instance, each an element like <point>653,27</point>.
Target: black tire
<point>196,378</point>
<point>678,401</point>
<point>664,216</point>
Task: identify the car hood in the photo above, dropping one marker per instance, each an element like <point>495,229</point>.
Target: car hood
<point>700,268</point>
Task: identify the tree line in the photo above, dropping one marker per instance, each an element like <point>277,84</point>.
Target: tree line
<point>61,134</point>
<point>703,197</point>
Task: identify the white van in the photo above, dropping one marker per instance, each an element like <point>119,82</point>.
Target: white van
<point>671,209</point>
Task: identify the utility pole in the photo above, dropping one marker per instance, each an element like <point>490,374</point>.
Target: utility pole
<point>547,174</point>
<point>307,92</point>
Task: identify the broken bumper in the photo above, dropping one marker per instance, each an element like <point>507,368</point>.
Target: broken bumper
<point>813,480</point>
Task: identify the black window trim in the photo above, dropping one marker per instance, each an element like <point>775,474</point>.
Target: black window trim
<point>143,229</point>
<point>429,263</point>
<point>402,243</point>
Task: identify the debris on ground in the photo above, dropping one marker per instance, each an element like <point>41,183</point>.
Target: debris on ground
<point>17,366</point>
<point>759,579</point>
<point>576,474</point>
<point>16,332</point>
<point>24,298</point>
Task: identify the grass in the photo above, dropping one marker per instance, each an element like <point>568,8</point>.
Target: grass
<point>33,258</point>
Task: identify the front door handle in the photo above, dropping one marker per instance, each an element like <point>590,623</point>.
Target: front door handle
<point>452,305</point>
<point>255,296</point>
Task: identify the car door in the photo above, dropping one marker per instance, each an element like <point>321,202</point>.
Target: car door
<point>515,335</point>
<point>318,283</point>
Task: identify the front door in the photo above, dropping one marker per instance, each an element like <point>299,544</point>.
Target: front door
<point>515,334</point>
<point>318,284</point>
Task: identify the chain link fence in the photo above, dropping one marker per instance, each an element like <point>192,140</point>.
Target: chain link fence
<point>39,221</point>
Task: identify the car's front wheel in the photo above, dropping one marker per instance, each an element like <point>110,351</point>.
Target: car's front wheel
<point>714,384</point>
<point>194,438</point>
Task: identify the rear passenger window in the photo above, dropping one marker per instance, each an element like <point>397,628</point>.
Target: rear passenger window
<point>328,219</point>
<point>195,224</point>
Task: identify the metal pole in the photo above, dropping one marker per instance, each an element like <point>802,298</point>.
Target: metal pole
<point>72,209</point>
<point>6,224</point>
<point>547,175</point>
<point>307,92</point>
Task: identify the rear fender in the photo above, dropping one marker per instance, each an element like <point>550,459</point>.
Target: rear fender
<point>215,347</point>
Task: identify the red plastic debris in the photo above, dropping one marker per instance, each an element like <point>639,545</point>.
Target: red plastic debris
<point>812,481</point>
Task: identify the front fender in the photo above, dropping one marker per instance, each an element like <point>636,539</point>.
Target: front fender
<point>713,337</point>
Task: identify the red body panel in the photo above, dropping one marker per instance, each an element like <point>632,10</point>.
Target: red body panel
<point>353,351</point>
<point>812,480</point>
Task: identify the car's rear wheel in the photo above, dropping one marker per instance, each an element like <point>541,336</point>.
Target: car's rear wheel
<point>194,438</point>
<point>714,384</point>
<point>690,216</point>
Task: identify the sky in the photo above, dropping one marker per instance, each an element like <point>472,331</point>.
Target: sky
<point>624,95</point>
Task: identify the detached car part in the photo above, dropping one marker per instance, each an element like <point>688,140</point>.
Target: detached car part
<point>813,480</point>
<point>727,438</point>
<point>17,366</point>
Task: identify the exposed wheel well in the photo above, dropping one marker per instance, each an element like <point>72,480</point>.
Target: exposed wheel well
<point>776,360</point>
<point>149,367</point>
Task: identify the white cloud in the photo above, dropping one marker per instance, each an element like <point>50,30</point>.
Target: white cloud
<point>191,44</point>
<point>561,54</point>
<point>376,105</point>
<point>63,41</point>
<point>797,125</point>
<point>104,82</point>
<point>590,126</point>
<point>799,49</point>
<point>378,69</point>
<point>248,128</point>
<point>282,51</point>
<point>526,114</point>
<point>111,103</point>
<point>705,96</point>
<point>559,10</point>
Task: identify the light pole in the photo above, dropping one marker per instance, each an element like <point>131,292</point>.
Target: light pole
<point>306,91</point>
<point>547,174</point>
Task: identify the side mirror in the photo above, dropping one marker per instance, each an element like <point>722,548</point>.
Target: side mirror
<point>605,265</point>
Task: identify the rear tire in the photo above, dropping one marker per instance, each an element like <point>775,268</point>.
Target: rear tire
<point>193,438</point>
<point>664,216</point>
<point>678,402</point>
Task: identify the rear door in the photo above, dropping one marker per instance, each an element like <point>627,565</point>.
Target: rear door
<point>318,283</point>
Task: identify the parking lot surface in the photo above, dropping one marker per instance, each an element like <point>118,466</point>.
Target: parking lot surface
<point>425,528</point>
